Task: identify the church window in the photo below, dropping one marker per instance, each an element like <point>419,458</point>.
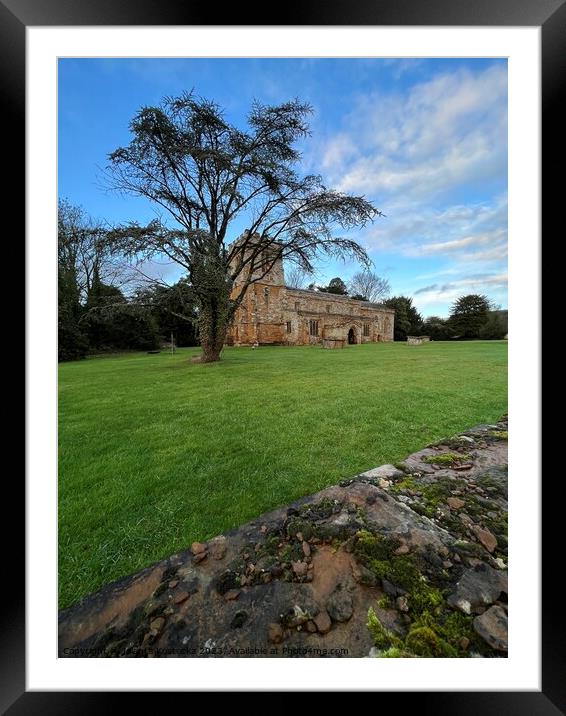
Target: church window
<point>296,305</point>
<point>288,326</point>
<point>313,328</point>
<point>366,329</point>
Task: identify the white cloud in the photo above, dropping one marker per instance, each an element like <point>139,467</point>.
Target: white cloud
<point>473,241</point>
<point>441,133</point>
<point>471,232</point>
<point>338,150</point>
<point>433,157</point>
<point>493,285</point>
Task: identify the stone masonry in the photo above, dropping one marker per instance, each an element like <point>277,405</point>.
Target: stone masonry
<point>272,313</point>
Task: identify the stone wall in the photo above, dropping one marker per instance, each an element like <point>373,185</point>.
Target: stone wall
<point>333,343</point>
<point>303,579</point>
<point>339,318</point>
<point>417,340</point>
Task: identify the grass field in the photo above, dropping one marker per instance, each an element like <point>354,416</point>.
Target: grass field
<point>156,452</point>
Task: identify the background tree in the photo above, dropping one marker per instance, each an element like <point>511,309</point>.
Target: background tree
<point>408,321</point>
<point>94,314</point>
<point>437,328</point>
<point>335,285</point>
<point>368,286</point>
<point>83,250</point>
<point>495,326</point>
<point>208,174</point>
<point>72,340</point>
<point>114,323</point>
<point>468,314</point>
<point>296,276</point>
<point>173,310</point>
<point>78,242</point>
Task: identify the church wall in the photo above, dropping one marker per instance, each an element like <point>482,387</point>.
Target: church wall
<point>278,315</point>
<point>272,313</point>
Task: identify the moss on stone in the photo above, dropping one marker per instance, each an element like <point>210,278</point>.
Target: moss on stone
<point>457,626</point>
<point>382,637</point>
<point>498,525</point>
<point>394,653</point>
<point>421,509</point>
<point>437,632</point>
<point>405,483</point>
<point>498,434</point>
<point>368,546</point>
<point>425,596</point>
<point>431,494</point>
<point>377,553</point>
<point>400,571</point>
<point>300,524</point>
<point>446,458</point>
<point>286,554</point>
<point>493,483</point>
<point>423,641</point>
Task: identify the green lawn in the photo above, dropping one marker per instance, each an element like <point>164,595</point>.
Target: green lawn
<point>156,452</point>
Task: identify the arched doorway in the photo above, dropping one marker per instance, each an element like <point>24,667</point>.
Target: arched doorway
<point>351,337</point>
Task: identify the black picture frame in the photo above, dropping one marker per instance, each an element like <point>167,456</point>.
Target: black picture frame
<point>550,15</point>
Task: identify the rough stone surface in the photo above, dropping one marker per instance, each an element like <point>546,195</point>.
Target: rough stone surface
<point>363,575</point>
<point>455,503</point>
<point>323,622</point>
<point>492,626</point>
<point>480,586</point>
<point>157,624</point>
<point>488,540</point>
<point>340,605</point>
<point>218,547</point>
<point>292,579</point>
<point>300,568</point>
<point>386,472</point>
<point>275,633</point>
<point>180,597</point>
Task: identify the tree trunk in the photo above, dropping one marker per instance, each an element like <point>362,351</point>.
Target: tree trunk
<point>213,327</point>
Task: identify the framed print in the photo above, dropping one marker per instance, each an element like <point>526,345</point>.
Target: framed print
<point>168,472</point>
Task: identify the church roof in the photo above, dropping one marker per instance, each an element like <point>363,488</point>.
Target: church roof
<point>340,297</point>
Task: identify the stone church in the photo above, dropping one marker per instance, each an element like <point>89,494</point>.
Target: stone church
<point>274,314</point>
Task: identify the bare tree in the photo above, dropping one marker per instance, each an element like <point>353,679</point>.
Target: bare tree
<point>369,286</point>
<point>83,251</point>
<point>206,174</point>
<point>296,276</point>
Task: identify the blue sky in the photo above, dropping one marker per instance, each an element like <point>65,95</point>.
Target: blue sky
<point>424,139</point>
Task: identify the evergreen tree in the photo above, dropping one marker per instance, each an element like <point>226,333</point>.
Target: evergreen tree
<point>408,321</point>
<point>468,314</point>
<point>335,285</point>
<point>437,328</point>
